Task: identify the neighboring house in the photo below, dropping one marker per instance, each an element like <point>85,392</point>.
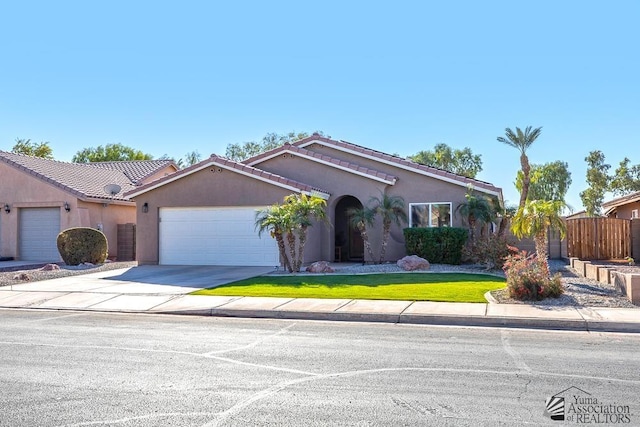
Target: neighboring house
<point>205,214</point>
<point>41,197</point>
<point>625,207</point>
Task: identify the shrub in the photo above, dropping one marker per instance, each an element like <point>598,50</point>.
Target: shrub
<point>491,251</point>
<point>442,245</point>
<point>527,278</point>
<point>82,244</point>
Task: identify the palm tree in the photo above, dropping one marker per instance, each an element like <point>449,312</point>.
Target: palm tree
<point>391,209</point>
<point>475,211</point>
<point>522,141</point>
<point>506,216</point>
<point>276,220</point>
<point>361,218</point>
<point>304,210</point>
<point>534,221</point>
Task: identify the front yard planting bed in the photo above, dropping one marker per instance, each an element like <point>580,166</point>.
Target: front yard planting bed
<point>445,287</point>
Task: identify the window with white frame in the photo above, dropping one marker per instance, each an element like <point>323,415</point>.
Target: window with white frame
<point>430,214</point>
<point>634,214</point>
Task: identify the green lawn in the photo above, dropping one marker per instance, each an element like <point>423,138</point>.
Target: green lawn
<point>449,287</point>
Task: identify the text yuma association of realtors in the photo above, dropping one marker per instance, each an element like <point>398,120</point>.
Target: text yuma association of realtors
<point>589,410</point>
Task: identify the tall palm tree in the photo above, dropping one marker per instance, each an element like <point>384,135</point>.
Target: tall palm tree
<point>535,220</point>
<point>477,210</point>
<point>304,210</point>
<point>391,210</point>
<point>522,141</point>
<point>276,220</point>
<point>363,218</point>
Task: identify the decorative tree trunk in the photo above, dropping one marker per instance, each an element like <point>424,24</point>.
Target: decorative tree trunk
<point>302,239</point>
<point>526,180</point>
<point>291,239</point>
<point>386,227</point>
<point>365,239</point>
<point>540,241</point>
<point>283,250</point>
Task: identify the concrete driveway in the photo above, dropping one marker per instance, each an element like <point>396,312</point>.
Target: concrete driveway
<point>147,279</point>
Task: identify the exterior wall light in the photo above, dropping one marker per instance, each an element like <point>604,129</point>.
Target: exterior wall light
<point>145,207</point>
<point>7,208</point>
<point>67,207</point>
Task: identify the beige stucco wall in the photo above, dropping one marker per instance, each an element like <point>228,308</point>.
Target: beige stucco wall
<point>208,187</point>
<point>21,190</point>
<point>413,187</point>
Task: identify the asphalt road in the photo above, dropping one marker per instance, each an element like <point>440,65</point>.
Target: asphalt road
<point>93,369</point>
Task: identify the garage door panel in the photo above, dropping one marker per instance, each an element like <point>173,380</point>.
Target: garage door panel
<point>39,229</point>
<point>214,236</point>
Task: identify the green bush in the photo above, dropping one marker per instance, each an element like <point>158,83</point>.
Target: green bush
<point>438,245</point>
<point>491,251</point>
<point>528,278</point>
<point>82,244</point>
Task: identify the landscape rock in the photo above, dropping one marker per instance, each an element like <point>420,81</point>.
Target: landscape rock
<point>320,267</point>
<point>22,276</point>
<point>413,262</point>
<point>50,267</point>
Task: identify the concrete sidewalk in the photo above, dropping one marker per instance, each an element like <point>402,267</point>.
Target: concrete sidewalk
<point>100,292</point>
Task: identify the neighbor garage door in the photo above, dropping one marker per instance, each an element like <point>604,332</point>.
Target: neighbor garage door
<point>39,228</point>
<point>214,236</point>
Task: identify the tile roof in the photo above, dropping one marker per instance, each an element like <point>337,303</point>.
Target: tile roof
<point>229,165</point>
<point>137,170</point>
<point>324,158</point>
<point>84,180</point>
<point>407,164</point>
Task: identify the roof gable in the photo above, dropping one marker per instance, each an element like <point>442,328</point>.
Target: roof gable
<point>324,159</point>
<point>399,162</point>
<point>236,167</point>
<point>621,201</point>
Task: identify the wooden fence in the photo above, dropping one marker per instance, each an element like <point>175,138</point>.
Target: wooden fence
<point>599,238</point>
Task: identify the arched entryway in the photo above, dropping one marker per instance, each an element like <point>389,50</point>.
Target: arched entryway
<point>348,241</point>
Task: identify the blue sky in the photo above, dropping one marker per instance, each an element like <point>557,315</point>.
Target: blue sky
<point>400,77</point>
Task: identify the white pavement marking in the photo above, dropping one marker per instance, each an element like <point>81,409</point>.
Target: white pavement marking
<point>506,344</point>
<point>253,344</point>
<point>142,417</point>
<point>46,319</point>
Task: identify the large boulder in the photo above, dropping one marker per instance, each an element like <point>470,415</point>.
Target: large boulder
<point>412,263</point>
<point>320,267</point>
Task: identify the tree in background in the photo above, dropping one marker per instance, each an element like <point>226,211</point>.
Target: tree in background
<point>245,150</point>
<point>549,181</point>
<point>29,148</point>
<point>462,162</point>
<point>109,153</point>
<point>522,141</point>
<point>189,159</point>
<point>598,182</point>
<point>626,179</point>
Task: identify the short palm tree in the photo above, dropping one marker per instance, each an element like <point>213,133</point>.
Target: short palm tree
<point>475,211</point>
<point>304,210</point>
<point>276,220</point>
<point>391,210</point>
<point>363,218</point>
<point>535,220</point>
<point>522,141</point>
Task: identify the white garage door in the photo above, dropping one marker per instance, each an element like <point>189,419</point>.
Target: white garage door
<point>39,229</point>
<point>214,236</point>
